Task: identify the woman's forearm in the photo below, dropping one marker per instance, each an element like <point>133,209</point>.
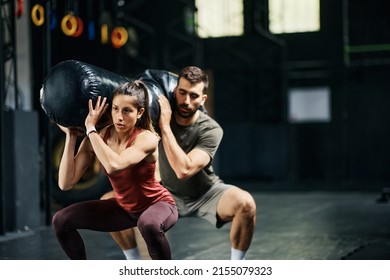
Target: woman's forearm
<point>67,165</point>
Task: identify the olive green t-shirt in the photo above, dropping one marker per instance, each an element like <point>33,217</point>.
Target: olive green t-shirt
<point>205,134</point>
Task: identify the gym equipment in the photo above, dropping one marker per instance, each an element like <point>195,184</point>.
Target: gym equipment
<point>119,37</point>
<point>158,82</point>
<point>70,84</point>
<point>69,25</point>
<point>68,87</point>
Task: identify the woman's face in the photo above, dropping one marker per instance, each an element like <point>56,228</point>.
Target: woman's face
<point>124,112</point>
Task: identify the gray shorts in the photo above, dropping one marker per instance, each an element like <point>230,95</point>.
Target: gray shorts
<point>204,207</point>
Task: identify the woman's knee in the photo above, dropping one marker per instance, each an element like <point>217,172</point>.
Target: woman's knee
<point>149,227</point>
<point>61,219</point>
<point>58,221</point>
<point>108,195</point>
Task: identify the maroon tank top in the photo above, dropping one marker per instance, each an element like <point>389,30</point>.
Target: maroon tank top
<point>136,187</point>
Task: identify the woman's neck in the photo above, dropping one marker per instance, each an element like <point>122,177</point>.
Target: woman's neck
<point>123,137</point>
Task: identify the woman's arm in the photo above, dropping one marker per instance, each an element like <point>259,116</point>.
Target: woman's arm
<point>72,166</point>
<point>144,144</point>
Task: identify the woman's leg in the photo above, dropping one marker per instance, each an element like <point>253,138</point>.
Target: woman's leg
<point>98,215</point>
<point>153,223</point>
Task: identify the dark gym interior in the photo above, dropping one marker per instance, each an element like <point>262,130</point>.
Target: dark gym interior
<point>304,115</point>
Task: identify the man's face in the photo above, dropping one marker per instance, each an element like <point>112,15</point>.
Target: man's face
<point>189,97</point>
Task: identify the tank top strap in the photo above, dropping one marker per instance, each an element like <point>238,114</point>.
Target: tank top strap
<point>132,137</point>
<point>107,134</point>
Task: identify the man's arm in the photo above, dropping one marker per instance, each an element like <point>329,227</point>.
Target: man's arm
<point>184,164</point>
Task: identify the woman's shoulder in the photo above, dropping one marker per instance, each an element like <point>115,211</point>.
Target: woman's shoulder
<point>146,134</point>
<point>149,141</point>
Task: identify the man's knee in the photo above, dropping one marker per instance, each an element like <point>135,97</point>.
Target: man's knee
<point>247,204</point>
<point>244,201</point>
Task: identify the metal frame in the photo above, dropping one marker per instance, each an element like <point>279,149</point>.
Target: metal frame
<point>8,55</point>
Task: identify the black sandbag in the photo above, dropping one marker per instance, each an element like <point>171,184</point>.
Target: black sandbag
<point>70,84</point>
<point>158,82</point>
<point>68,87</point>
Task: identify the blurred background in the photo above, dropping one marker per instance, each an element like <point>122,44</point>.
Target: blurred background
<point>301,88</point>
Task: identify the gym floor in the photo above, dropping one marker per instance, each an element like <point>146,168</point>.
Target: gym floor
<point>291,225</point>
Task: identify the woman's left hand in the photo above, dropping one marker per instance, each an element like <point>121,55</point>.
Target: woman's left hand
<point>95,113</point>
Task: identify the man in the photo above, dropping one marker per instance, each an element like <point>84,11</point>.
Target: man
<point>189,142</point>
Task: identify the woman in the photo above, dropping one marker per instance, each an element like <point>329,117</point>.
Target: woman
<point>127,150</point>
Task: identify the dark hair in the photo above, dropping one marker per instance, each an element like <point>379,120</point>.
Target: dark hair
<point>138,89</point>
<point>195,75</point>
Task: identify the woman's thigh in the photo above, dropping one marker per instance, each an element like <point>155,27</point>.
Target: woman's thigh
<point>98,215</point>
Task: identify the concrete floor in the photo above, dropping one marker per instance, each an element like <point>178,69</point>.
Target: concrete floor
<point>299,225</point>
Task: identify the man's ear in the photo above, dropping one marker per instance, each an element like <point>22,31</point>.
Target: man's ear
<point>204,98</point>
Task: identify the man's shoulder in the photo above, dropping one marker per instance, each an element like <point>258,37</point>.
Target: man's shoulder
<point>206,120</point>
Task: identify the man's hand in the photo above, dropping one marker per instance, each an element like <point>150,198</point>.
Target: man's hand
<point>165,111</point>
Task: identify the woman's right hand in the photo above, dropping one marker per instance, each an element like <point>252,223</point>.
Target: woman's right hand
<point>71,131</point>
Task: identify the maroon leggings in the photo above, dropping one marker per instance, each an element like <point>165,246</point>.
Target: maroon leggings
<point>107,216</point>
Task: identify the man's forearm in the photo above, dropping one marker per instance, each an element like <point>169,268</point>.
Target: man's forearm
<point>177,158</point>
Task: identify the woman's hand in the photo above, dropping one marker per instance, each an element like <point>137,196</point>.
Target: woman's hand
<point>95,113</point>
<point>71,131</point>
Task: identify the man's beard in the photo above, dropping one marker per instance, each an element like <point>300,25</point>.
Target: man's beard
<point>185,115</point>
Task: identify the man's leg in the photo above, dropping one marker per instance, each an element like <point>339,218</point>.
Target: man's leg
<point>128,244</point>
<point>125,239</point>
<point>239,207</point>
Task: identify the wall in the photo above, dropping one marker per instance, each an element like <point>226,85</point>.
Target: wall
<point>251,78</point>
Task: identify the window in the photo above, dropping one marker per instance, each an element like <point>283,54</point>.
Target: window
<point>291,16</point>
<point>219,18</point>
<point>309,105</point>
